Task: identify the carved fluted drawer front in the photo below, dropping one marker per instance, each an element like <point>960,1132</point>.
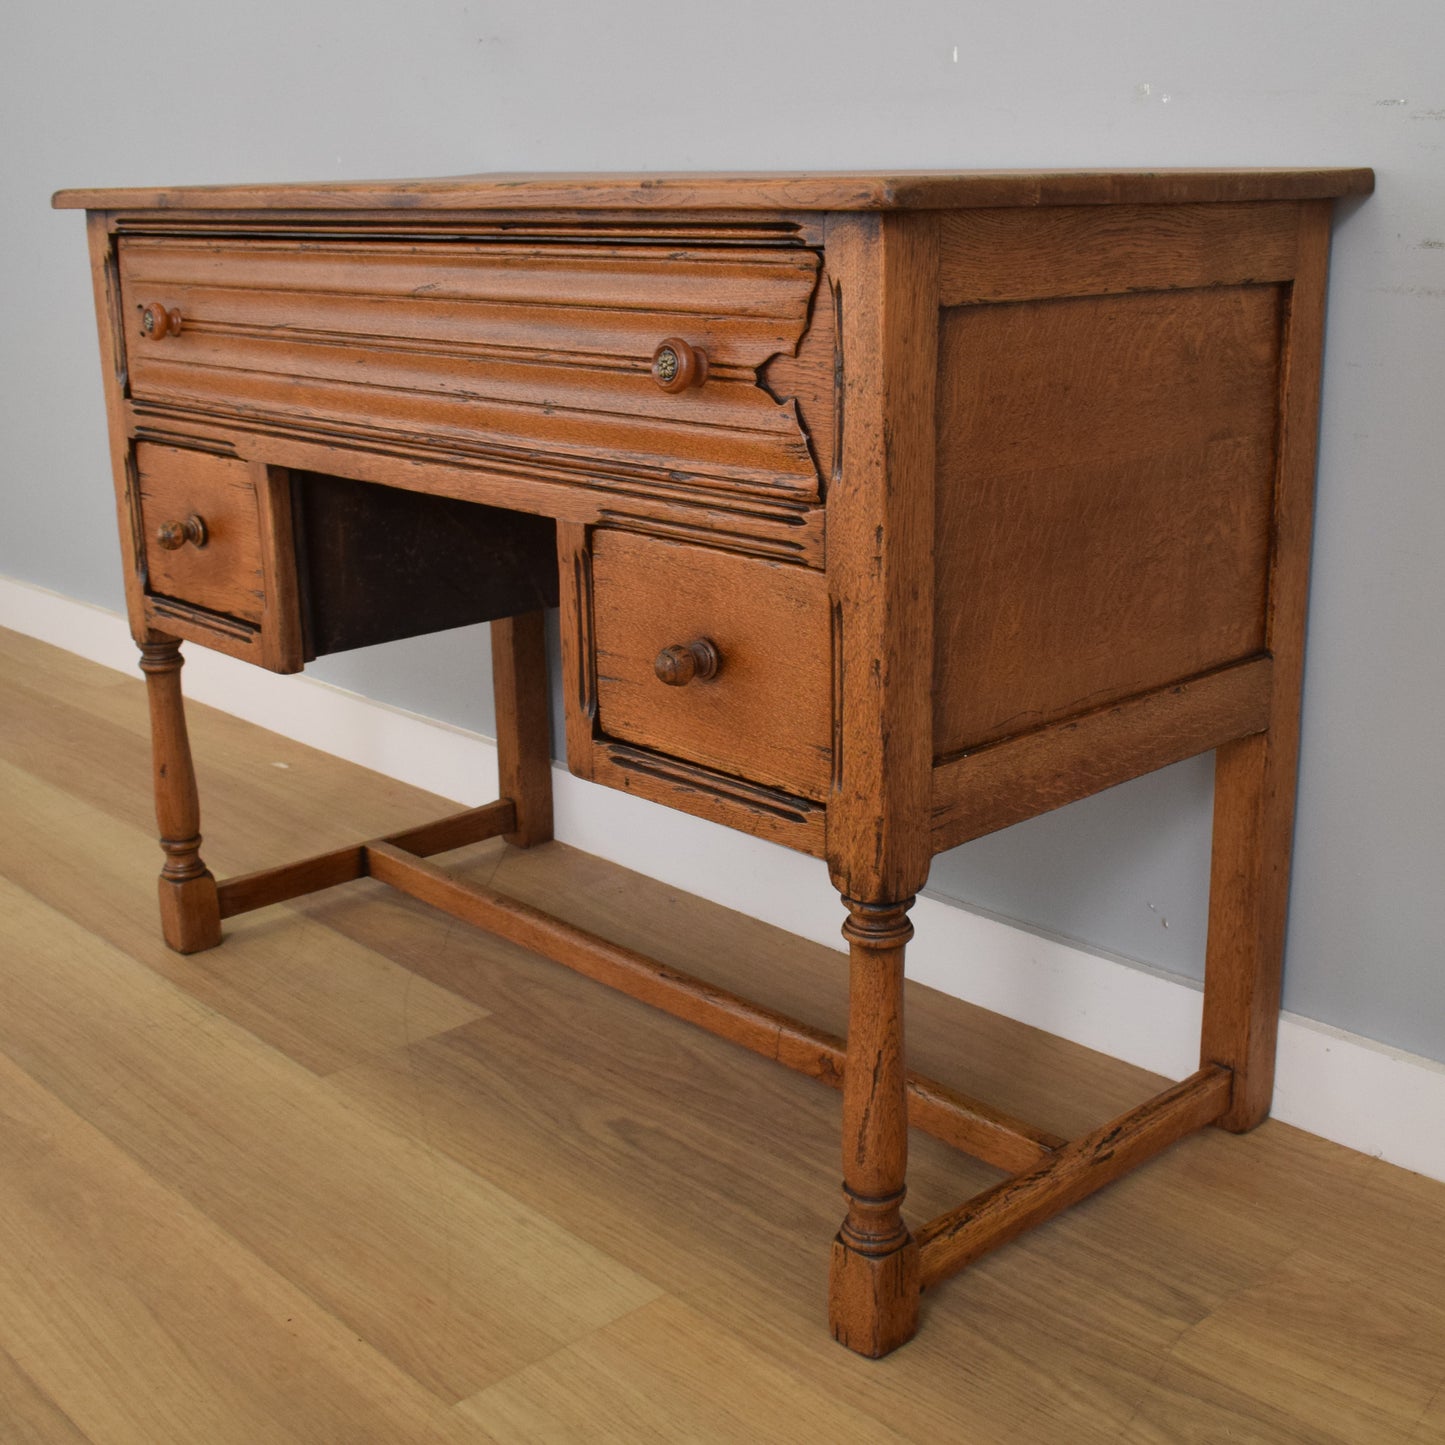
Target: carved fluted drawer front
<point>719,659</point>
<point>214,535</point>
<point>619,362</point>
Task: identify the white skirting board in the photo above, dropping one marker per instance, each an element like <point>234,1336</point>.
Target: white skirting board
<point>1341,1086</point>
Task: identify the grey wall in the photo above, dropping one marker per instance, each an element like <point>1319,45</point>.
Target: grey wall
<point>170,91</point>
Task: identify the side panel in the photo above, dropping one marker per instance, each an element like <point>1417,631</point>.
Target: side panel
<point>1105,481</point>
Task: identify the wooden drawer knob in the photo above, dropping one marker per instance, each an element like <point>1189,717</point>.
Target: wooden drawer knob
<point>172,535</point>
<point>156,321</point>
<point>685,662</point>
<point>677,366</point>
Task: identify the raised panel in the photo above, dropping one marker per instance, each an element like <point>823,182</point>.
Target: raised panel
<point>1105,488</point>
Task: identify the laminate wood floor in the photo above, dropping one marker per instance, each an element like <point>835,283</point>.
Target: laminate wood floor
<point>365,1175</point>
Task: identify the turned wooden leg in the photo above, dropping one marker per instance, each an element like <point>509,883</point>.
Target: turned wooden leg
<point>873,1283</point>
<point>524,742</point>
<point>1249,893</point>
<point>190,914</point>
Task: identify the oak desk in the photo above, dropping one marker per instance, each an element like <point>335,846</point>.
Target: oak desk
<point>883,511</point>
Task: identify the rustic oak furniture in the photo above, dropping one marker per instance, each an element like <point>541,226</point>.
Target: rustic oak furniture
<point>883,511</point>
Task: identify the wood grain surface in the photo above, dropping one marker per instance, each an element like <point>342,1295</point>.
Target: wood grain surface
<point>1020,777</point>
<point>766,715</point>
<point>1014,255</point>
<point>1254,791</point>
<point>1105,483</point>
<point>761,191</point>
<point>190,916</point>
<point>493,348</point>
<point>368,1176</point>
<point>232,584</point>
<point>225,574</point>
<point>881,555</point>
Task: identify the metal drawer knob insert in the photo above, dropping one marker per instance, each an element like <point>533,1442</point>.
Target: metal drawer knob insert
<point>687,662</point>
<point>156,321</point>
<point>677,366</point>
<point>172,535</point>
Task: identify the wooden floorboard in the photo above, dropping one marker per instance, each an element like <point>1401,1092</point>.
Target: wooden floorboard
<point>363,1174</point>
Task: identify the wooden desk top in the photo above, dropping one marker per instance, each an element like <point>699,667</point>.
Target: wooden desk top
<point>925,190</point>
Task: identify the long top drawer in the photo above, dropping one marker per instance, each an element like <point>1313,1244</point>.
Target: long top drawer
<point>536,351</point>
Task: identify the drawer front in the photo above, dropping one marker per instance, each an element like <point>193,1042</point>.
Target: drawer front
<point>215,537</point>
<point>218,566</point>
<point>766,714</point>
<point>515,352</point>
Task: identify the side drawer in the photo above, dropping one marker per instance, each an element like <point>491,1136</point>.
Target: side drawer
<point>761,628</point>
<point>214,535</point>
